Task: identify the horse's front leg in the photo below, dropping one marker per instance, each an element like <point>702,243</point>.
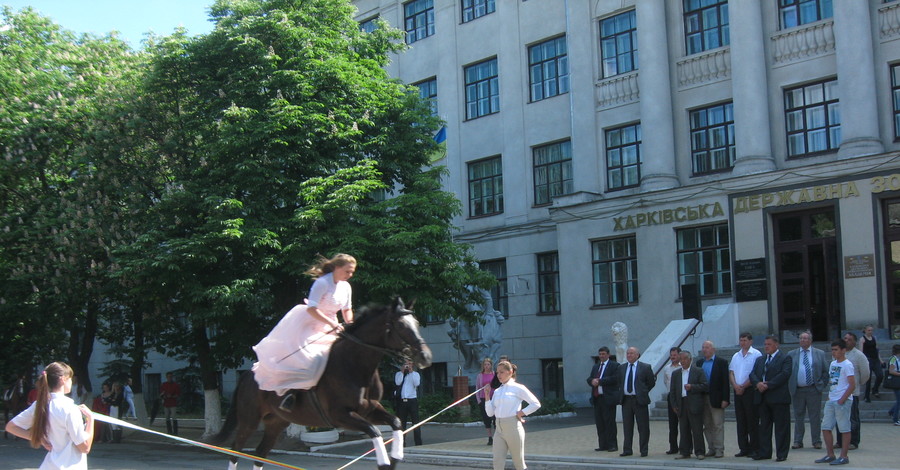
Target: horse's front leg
<point>354,421</point>
<point>380,416</point>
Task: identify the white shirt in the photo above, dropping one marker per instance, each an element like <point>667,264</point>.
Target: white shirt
<point>838,373</point>
<point>66,430</point>
<point>507,401</point>
<point>742,364</point>
<point>860,368</point>
<point>801,369</point>
<point>409,386</point>
<point>667,378</point>
<point>600,371</point>
<point>329,296</point>
<point>685,374</point>
<point>630,372</point>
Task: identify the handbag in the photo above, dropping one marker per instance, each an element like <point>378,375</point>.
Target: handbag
<point>893,381</point>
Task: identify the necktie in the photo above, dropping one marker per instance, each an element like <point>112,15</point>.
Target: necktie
<point>629,379</point>
<point>596,391</point>
<point>807,367</point>
<point>766,367</point>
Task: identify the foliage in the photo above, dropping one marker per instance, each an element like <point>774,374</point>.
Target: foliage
<point>552,406</point>
<point>434,402</point>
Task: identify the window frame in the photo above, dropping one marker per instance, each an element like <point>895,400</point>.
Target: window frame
<point>559,63</point>
<point>496,180</point>
<point>363,25</point>
<point>489,7</point>
<point>721,252</point>
<point>608,149</point>
<point>707,130</point>
<point>500,291</point>
<point>631,53</point>
<point>564,163</point>
<point>493,89</point>
<point>698,12</point>
<point>895,98</point>
<point>431,94</point>
<point>823,9</point>
<point>548,276</point>
<point>630,293</point>
<point>557,378</point>
<point>410,20</point>
<point>829,105</point>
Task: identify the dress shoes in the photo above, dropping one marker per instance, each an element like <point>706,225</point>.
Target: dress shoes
<point>701,457</point>
<point>817,445</point>
<point>742,453</point>
<point>643,454</point>
<point>682,456</point>
<point>781,459</point>
<point>720,454</point>
<point>761,457</point>
<point>711,453</point>
<point>797,445</point>
<point>612,449</point>
<point>625,454</point>
<point>599,449</point>
<point>671,451</point>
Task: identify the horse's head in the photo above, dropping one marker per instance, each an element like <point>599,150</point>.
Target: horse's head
<point>403,334</point>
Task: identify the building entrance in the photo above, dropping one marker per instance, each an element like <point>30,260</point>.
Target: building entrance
<point>807,273</point>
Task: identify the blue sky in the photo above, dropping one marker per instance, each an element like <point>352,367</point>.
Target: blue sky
<point>132,18</point>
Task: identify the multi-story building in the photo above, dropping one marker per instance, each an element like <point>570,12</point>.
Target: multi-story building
<point>616,157</point>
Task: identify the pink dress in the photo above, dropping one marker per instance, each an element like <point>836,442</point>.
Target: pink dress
<point>294,354</point>
<point>481,381</point>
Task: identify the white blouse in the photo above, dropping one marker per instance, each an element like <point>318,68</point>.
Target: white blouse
<point>507,401</point>
<point>65,431</point>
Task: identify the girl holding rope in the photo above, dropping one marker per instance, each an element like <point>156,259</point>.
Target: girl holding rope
<point>55,422</point>
<point>506,406</point>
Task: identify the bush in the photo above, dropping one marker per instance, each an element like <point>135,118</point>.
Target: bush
<point>552,406</point>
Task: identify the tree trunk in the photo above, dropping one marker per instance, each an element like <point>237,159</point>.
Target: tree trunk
<point>138,362</point>
<point>212,413</point>
<point>81,347</point>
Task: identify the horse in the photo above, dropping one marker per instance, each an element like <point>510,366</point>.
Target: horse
<point>347,396</point>
<point>15,400</point>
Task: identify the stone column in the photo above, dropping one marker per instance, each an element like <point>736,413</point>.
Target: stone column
<point>753,137</point>
<point>658,145</point>
<point>856,80</point>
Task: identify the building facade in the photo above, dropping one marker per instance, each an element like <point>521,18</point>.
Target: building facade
<point>618,160</point>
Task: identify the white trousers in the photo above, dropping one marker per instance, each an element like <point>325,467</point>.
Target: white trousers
<point>509,437</point>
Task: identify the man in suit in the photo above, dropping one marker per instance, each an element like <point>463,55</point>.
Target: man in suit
<point>716,370</point>
<point>604,382</point>
<point>808,379</point>
<point>687,396</point>
<point>770,377</point>
<point>636,379</point>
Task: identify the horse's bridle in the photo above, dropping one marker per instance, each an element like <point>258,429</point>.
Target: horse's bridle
<point>387,332</point>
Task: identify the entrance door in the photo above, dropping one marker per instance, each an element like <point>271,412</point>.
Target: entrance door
<point>807,272</point>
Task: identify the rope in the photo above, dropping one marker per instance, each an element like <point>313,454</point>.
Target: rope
<point>118,422</point>
<point>420,423</point>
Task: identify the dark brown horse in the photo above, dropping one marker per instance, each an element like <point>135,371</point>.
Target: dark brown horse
<point>15,400</point>
<point>348,393</point>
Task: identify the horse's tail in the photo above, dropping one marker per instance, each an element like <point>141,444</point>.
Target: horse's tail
<point>231,419</point>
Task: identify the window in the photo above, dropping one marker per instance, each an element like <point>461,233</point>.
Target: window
<point>704,259</point>
<point>813,118</point>
<point>499,293</point>
<point>623,157</point>
<point>419,19</point>
<point>433,379</point>
<point>552,171</point>
<point>548,69</point>
<point>482,89</point>
<point>552,378</point>
<point>615,271</point>
<point>369,25</point>
<point>428,91</point>
<point>486,187</point>
<point>705,25</point>
<point>472,9</point>
<point>895,92</point>
<point>798,12</point>
<point>712,138</point>
<point>618,44</point>
<point>548,282</point>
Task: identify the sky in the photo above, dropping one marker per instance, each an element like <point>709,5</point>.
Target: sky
<point>131,18</point>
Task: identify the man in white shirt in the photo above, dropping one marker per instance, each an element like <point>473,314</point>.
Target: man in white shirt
<point>808,381</point>
<point>744,411</point>
<point>837,410</point>
<point>673,365</point>
<point>861,367</point>
<point>408,406</point>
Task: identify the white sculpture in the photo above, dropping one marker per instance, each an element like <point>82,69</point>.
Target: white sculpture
<point>620,338</point>
<point>475,340</point>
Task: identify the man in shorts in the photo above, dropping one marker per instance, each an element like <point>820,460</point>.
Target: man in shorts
<point>842,378</point>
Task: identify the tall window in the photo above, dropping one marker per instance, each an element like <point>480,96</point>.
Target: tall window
<point>428,91</point>
<point>705,25</point>
<point>712,138</point>
<point>703,259</point>
<point>618,44</point>
<point>499,293</point>
<point>472,9</point>
<point>552,378</point>
<point>813,118</point>
<point>895,92</point>
<point>548,68</point>
<point>797,12</point>
<point>548,282</point>
<point>482,89</point>
<point>433,379</point>
<point>486,187</point>
<point>369,25</point>
<point>623,157</point>
<point>418,18</point>
<point>552,171</point>
<point>615,271</point>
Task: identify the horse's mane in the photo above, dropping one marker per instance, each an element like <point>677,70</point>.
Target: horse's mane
<point>365,315</point>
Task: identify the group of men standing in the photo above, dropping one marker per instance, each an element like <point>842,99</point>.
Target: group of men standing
<point>765,384</point>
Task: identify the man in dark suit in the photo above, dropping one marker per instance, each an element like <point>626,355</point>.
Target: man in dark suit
<point>604,383</point>
<point>770,377</point>
<point>687,398</point>
<point>716,370</point>
<point>808,380</point>
<point>636,379</point>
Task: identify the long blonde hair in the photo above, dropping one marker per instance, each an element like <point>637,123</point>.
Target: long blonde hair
<point>50,379</point>
<point>324,265</point>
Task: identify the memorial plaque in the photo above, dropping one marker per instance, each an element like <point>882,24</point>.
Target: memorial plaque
<point>859,266</point>
<point>747,269</point>
<point>748,291</point>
